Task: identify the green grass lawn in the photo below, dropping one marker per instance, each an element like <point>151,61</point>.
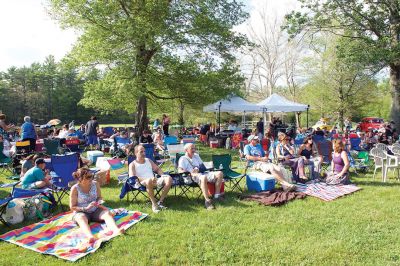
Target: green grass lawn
<point>358,229</point>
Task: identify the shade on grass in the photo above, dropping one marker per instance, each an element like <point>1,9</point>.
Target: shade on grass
<point>362,228</point>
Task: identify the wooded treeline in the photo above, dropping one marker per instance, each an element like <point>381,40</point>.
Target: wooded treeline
<point>49,90</point>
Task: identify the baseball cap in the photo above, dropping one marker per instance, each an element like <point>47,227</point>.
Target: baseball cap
<point>39,161</point>
<point>251,137</point>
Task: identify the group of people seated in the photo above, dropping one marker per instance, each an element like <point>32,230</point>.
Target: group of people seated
<point>307,155</point>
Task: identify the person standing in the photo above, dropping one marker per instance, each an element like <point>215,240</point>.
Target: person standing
<point>91,128</point>
<point>165,123</point>
<point>28,132</point>
<point>260,128</point>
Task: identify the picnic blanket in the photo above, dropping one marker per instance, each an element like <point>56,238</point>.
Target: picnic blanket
<point>326,192</point>
<point>274,198</point>
<point>61,237</point>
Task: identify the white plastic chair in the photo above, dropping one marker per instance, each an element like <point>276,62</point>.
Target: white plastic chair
<point>392,162</point>
<point>379,160</point>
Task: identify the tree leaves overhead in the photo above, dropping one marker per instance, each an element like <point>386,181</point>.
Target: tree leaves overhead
<point>166,36</point>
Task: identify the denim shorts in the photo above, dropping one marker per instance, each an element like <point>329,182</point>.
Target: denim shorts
<point>90,216</point>
<point>92,139</point>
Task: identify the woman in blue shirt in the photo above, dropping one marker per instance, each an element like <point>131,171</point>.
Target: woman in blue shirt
<point>28,132</point>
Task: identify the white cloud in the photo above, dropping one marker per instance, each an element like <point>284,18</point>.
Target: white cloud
<point>28,34</point>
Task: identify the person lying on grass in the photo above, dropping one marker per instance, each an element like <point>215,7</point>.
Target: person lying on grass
<point>86,203</point>
<point>144,169</point>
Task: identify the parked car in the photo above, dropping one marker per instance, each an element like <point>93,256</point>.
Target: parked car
<point>370,122</point>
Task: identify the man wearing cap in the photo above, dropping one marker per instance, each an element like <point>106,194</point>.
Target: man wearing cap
<point>35,177</point>
<point>257,157</point>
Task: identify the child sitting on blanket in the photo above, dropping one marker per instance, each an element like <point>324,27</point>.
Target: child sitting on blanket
<point>85,202</point>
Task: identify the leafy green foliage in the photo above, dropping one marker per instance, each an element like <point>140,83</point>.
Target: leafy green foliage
<point>371,30</point>
<point>157,49</point>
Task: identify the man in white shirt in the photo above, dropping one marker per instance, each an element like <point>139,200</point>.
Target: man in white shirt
<point>191,162</point>
<point>144,169</point>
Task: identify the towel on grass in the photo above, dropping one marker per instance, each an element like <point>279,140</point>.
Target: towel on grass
<point>326,192</point>
<point>61,237</point>
<point>274,198</point>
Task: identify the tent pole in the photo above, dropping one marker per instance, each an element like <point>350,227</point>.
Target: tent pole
<point>265,119</point>
<point>308,107</point>
<point>219,118</point>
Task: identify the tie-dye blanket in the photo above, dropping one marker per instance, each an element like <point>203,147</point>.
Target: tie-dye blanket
<point>326,192</point>
<point>61,237</point>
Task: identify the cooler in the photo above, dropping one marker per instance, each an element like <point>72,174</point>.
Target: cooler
<point>211,188</point>
<point>214,144</point>
<point>258,181</point>
<point>93,155</point>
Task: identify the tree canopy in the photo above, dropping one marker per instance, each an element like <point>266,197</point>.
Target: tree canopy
<point>371,27</point>
<point>155,49</point>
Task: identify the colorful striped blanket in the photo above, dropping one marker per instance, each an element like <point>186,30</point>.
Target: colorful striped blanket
<point>61,237</point>
<point>326,192</point>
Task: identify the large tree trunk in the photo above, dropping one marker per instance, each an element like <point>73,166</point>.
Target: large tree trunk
<point>141,116</point>
<point>181,120</point>
<point>395,90</point>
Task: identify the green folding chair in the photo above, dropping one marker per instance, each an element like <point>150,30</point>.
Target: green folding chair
<point>223,162</point>
<point>52,146</point>
<point>5,162</point>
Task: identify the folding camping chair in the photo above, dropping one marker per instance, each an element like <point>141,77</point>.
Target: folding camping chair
<point>188,139</point>
<point>72,145</point>
<point>357,164</point>
<point>173,149</point>
<point>355,144</point>
<point>233,177</point>
<point>325,150</point>
<point>170,140</point>
<point>185,187</point>
<point>150,153</point>
<point>23,147</point>
<point>63,166</point>
<point>5,162</point>
<point>17,193</point>
<point>52,146</point>
<point>133,187</point>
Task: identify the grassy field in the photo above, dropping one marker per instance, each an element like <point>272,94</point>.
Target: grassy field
<point>359,229</point>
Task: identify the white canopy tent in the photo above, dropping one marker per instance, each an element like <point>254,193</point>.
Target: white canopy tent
<point>232,104</point>
<point>276,103</point>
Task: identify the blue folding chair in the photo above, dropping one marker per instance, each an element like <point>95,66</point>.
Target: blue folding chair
<point>318,138</point>
<point>355,144</point>
<point>170,140</point>
<point>150,153</point>
<point>18,193</point>
<point>63,166</point>
<point>108,130</point>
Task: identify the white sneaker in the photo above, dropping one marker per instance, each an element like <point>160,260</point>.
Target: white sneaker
<point>156,209</point>
<point>161,205</point>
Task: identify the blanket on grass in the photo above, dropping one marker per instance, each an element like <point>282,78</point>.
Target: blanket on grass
<point>61,237</point>
<point>274,198</point>
<point>326,192</point>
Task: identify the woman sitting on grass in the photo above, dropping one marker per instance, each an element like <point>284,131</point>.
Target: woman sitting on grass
<point>286,155</point>
<point>340,165</point>
<point>85,202</point>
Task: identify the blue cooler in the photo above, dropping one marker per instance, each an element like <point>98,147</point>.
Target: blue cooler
<point>259,181</point>
<point>93,155</point>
